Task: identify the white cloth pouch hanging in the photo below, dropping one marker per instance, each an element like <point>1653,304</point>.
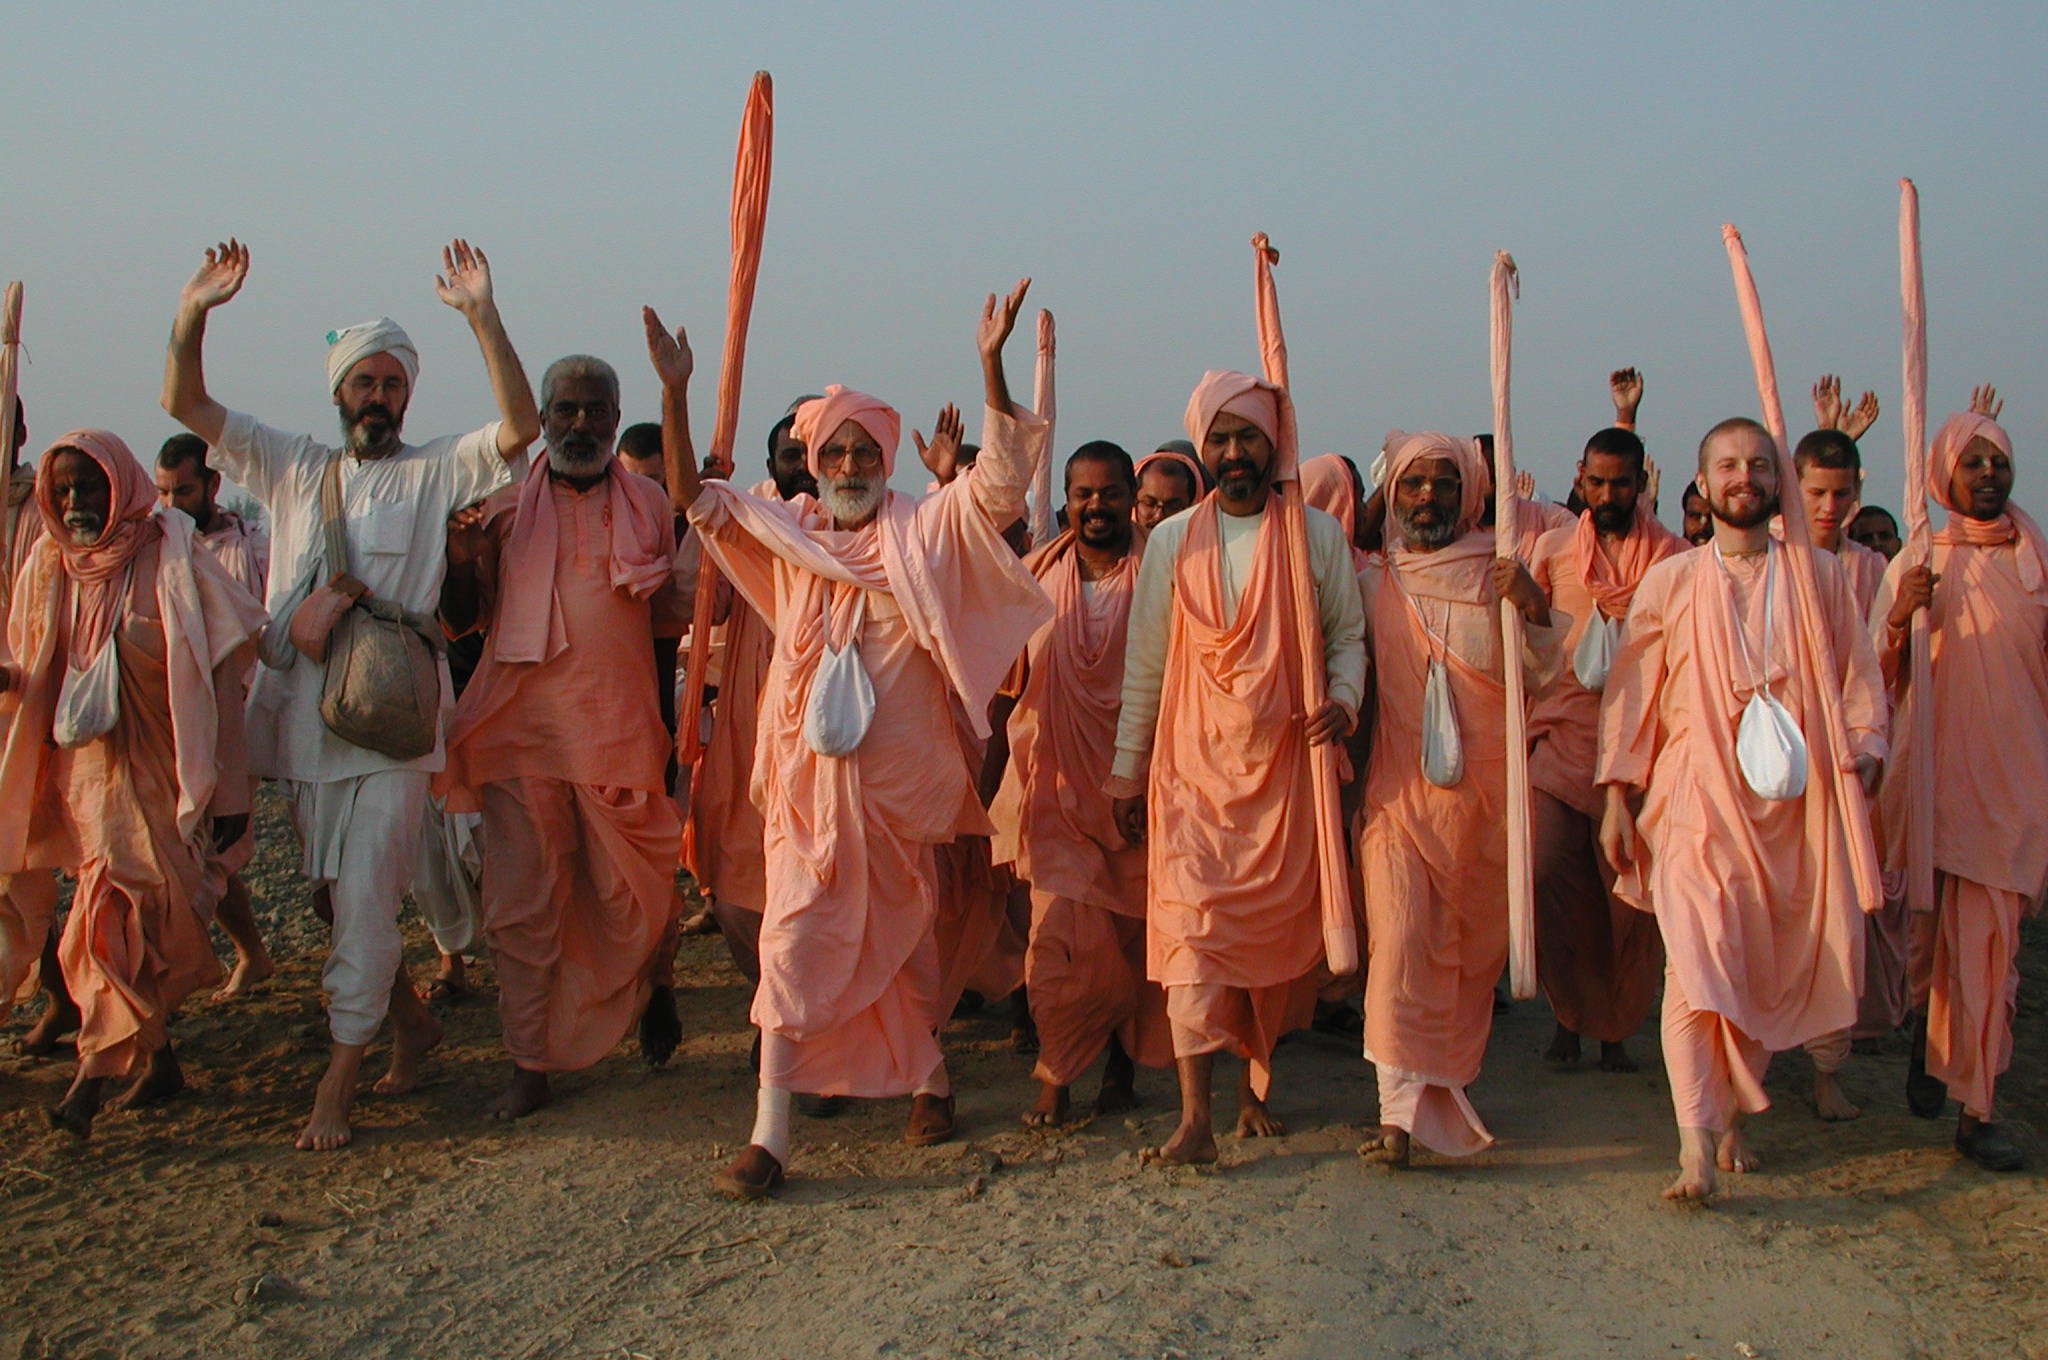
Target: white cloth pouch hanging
<point>89,702</point>
<point>1443,748</point>
<point>842,699</point>
<point>1770,750</point>
<point>1594,655</point>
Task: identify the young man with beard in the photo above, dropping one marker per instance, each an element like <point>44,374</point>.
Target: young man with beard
<point>559,742</point>
<point>1212,767</point>
<point>1084,964</point>
<point>123,781</point>
<point>1433,851</point>
<point>1750,875</point>
<point>889,617</point>
<point>1598,959</point>
<point>184,482</point>
<point>358,812</point>
<point>1985,591</point>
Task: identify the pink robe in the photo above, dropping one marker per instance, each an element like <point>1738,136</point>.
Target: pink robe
<point>130,809</point>
<point>1988,627</point>
<point>558,741</point>
<point>850,970</point>
<point>1435,859</point>
<point>1085,963</point>
<point>1756,899</point>
<point>1599,960</point>
<point>28,901</point>
<point>725,826</point>
<point>243,551</point>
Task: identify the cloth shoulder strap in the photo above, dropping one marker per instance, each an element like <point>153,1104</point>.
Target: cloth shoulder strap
<point>330,514</point>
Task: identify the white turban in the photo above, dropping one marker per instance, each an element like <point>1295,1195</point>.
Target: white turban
<point>382,336</point>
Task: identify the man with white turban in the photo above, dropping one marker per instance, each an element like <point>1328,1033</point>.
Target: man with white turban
<point>888,614</point>
<point>358,811</point>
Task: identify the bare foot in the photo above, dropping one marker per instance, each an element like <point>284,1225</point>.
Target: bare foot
<point>1615,1058</point>
<point>1390,1149</point>
<point>249,970</point>
<point>74,1113</point>
<point>160,1080</point>
<point>1119,1082</point>
<point>1564,1047</point>
<point>1049,1109</point>
<point>660,1028</point>
<point>1695,1167</point>
<point>1254,1120</point>
<point>327,1127</point>
<point>1733,1153</point>
<point>60,1017</point>
<point>411,1040</point>
<point>451,981</point>
<point>527,1092</point>
<point>1829,1100</point>
<point>1189,1146</point>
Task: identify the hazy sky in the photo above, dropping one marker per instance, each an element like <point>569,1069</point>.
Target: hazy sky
<point>1121,155</point>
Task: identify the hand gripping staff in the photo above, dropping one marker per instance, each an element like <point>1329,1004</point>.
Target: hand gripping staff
<point>1831,745</point>
<point>1340,931</point>
<point>1503,284</point>
<point>749,219</point>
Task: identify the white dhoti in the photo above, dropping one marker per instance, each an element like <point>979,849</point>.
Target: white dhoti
<point>447,881</point>
<point>362,839</point>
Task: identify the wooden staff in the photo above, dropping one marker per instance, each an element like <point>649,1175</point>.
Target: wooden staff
<point>749,218</point>
<point>1043,402</point>
<point>1503,285</point>
<point>1831,750</point>
<point>1340,927</point>
<point>10,354</point>
<point>1919,708</point>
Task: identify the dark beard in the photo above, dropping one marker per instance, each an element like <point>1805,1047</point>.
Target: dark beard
<point>371,430</point>
<point>1613,519</point>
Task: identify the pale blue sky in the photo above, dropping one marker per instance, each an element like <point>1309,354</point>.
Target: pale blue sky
<point>1121,155</point>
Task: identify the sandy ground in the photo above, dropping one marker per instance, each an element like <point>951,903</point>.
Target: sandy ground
<point>591,1230</point>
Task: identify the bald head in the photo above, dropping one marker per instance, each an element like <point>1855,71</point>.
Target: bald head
<point>1739,471</point>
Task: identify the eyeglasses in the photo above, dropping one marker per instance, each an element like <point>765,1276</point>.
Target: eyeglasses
<point>866,459</point>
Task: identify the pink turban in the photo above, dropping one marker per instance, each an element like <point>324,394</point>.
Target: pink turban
<point>1950,440</point>
<point>1403,449</point>
<point>1955,435</point>
<point>1263,404</point>
<point>1326,484</point>
<point>99,567</point>
<point>1197,478</point>
<point>819,418</point>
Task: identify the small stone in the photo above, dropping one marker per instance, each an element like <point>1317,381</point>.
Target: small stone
<point>269,1218</point>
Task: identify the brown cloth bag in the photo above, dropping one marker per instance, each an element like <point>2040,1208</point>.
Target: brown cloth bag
<point>382,689</point>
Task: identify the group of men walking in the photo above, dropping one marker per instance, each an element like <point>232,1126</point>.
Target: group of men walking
<point>1167,770</point>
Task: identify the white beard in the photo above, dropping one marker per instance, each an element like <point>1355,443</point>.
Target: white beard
<point>849,500</point>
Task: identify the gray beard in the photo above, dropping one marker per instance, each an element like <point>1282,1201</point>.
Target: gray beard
<point>846,503</point>
<point>362,445</point>
<point>1428,537</point>
<point>571,465</point>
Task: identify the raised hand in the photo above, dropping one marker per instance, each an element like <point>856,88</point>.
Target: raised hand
<point>1827,403</point>
<point>670,354</point>
<point>1625,387</point>
<point>1862,418</point>
<point>464,282</point>
<point>219,277</point>
<point>1984,401</point>
<point>999,319</point>
<point>942,455</point>
<point>1525,484</point>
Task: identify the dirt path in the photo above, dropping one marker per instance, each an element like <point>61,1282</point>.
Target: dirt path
<point>590,1229</point>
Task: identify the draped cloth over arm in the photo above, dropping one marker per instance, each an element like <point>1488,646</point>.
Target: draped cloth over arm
<point>1919,742</point>
<point>1042,401</point>
<point>1340,928</point>
<point>1831,744</point>
<point>749,219</point>
<point>1521,871</point>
